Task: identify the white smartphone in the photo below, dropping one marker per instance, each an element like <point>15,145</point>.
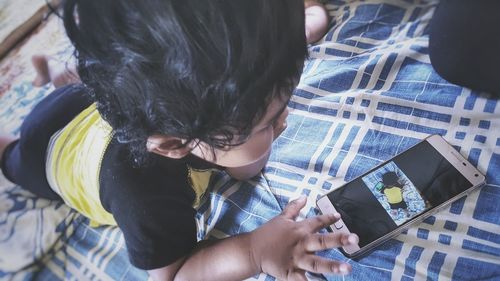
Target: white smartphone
<point>400,192</point>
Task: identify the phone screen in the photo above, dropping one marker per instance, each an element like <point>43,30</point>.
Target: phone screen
<point>391,195</point>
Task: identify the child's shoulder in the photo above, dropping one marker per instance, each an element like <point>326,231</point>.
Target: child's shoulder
<point>118,171</point>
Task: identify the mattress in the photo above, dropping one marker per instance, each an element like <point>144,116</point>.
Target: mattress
<point>367,93</point>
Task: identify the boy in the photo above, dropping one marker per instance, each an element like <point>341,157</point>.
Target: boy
<point>393,190</point>
<point>170,91</point>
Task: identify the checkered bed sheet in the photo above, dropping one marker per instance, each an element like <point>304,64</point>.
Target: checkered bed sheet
<point>368,92</point>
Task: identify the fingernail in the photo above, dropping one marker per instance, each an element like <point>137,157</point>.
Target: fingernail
<point>301,198</point>
<point>336,215</point>
<point>344,268</point>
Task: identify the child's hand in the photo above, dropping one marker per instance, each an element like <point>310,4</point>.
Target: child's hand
<point>286,249</point>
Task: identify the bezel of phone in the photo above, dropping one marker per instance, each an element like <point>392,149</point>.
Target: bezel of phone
<point>476,178</point>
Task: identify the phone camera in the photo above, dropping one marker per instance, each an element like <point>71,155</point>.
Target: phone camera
<point>476,175</point>
<point>463,163</point>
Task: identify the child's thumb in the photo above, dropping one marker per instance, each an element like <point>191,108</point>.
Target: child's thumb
<point>293,208</point>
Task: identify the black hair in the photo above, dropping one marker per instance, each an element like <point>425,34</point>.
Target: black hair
<point>391,179</point>
<point>188,68</point>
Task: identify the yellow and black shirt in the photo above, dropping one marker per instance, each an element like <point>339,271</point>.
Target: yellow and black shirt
<point>92,172</point>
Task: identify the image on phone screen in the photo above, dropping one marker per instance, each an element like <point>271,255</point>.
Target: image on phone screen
<point>389,196</point>
<point>395,192</point>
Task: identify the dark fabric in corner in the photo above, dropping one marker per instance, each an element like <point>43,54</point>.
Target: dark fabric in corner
<point>464,43</point>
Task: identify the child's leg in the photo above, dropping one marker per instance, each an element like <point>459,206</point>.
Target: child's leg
<point>316,20</point>
<point>49,70</point>
<point>42,70</point>
<point>23,160</point>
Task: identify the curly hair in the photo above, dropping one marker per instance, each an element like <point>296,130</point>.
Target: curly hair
<point>197,70</point>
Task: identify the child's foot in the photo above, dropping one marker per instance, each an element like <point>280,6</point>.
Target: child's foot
<point>50,70</point>
<point>41,65</point>
<point>316,21</point>
<point>64,75</point>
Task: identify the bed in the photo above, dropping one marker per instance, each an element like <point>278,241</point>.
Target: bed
<point>367,93</point>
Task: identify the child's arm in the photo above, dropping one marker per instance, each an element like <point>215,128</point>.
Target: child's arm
<point>282,248</point>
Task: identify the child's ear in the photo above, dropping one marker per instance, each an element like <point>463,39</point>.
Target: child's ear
<point>168,146</point>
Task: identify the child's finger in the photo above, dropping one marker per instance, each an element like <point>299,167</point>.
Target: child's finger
<point>293,208</point>
<point>316,264</point>
<point>319,222</point>
<point>320,242</point>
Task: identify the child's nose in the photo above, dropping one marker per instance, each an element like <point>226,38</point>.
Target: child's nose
<point>280,124</point>
<point>279,129</point>
<point>283,116</point>
<point>285,112</point>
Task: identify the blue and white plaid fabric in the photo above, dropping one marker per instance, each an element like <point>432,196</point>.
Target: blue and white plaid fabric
<point>368,92</point>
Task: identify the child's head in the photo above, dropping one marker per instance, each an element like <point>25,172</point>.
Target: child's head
<point>190,71</point>
<point>391,179</point>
